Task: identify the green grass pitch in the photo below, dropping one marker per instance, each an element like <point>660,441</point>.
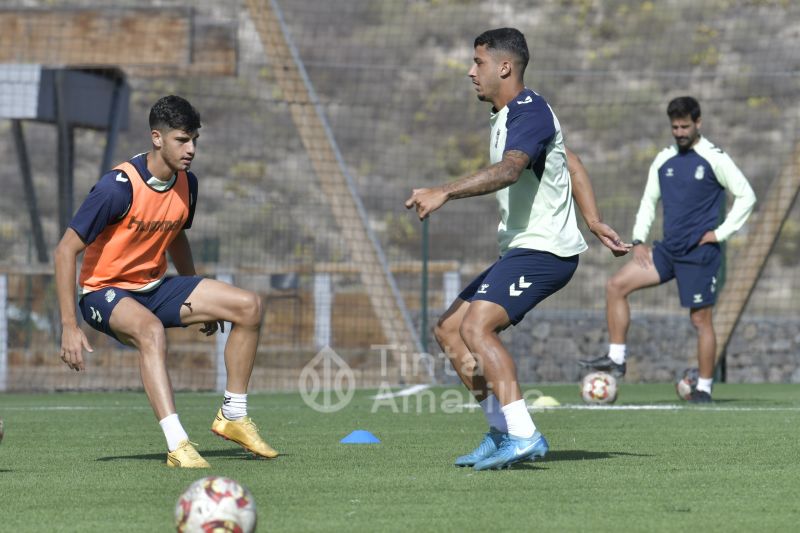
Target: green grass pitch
<point>95,462</point>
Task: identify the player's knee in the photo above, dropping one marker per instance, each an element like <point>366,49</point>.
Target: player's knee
<point>471,331</point>
<point>150,336</point>
<point>252,309</point>
<point>701,320</point>
<point>443,331</point>
<point>440,334</point>
<point>615,286</point>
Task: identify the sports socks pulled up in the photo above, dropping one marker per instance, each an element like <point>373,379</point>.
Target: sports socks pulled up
<point>234,405</point>
<point>173,431</point>
<point>616,352</point>
<point>704,384</point>
<point>519,421</point>
<point>494,413</point>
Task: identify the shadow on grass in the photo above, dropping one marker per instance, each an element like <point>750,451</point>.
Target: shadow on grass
<point>571,455</point>
<point>585,455</point>
<point>684,403</point>
<point>234,453</point>
<point>538,465</point>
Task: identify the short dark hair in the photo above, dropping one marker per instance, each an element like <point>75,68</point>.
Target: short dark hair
<point>683,106</point>
<point>175,113</point>
<point>508,40</point>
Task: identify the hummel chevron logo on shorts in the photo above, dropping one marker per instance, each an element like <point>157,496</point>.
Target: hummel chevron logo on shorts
<point>512,289</point>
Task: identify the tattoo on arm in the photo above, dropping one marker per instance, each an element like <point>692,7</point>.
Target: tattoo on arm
<point>490,179</point>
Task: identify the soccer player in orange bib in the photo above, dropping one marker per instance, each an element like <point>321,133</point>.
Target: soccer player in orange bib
<point>136,214</point>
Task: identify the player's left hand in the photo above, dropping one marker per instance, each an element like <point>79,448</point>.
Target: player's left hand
<point>708,237</point>
<point>209,328</point>
<point>610,238</point>
<point>426,201</point>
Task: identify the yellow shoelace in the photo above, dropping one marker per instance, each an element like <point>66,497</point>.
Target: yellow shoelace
<point>192,452</point>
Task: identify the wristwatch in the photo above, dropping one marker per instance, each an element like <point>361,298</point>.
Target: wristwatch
<point>636,242</point>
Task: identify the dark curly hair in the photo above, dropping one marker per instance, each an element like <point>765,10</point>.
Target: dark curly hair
<point>508,40</point>
<point>683,106</point>
<point>175,113</point>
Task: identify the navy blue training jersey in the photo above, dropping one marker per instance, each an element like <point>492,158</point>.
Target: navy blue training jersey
<point>109,200</point>
<point>691,186</point>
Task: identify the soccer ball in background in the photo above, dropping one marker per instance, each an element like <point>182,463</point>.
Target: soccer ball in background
<point>599,387</point>
<point>216,504</point>
<point>687,383</point>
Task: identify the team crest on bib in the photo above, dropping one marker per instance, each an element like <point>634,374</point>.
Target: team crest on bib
<point>700,172</point>
<point>110,295</point>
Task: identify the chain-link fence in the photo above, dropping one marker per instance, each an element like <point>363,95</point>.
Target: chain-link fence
<point>320,117</point>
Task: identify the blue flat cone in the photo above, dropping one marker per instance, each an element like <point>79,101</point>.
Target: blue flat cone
<point>360,436</point>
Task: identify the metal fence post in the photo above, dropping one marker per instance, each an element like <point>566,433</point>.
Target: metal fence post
<point>451,282</point>
<point>323,302</point>
<point>3,332</point>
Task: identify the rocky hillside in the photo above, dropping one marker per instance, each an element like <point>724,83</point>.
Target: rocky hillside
<point>391,79</point>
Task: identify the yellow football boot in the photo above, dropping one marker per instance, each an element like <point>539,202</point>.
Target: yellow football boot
<point>244,433</point>
<point>185,456</point>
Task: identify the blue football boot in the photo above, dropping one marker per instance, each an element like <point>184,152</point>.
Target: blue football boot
<point>487,447</point>
<point>515,450</point>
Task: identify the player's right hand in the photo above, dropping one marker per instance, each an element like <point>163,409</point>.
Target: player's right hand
<point>209,328</point>
<point>73,342</point>
<point>426,201</point>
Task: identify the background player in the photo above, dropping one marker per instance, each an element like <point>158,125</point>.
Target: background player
<point>690,178</point>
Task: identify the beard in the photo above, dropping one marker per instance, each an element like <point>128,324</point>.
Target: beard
<point>684,143</point>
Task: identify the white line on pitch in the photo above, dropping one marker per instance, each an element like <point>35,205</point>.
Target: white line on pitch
<point>640,407</point>
<point>408,391</point>
<point>670,407</point>
<point>76,408</point>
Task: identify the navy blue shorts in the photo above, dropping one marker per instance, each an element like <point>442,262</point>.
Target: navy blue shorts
<point>164,301</point>
<point>521,279</point>
<point>696,272</point>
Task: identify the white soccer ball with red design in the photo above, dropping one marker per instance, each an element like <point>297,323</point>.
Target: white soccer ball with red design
<point>599,388</point>
<point>216,504</point>
<point>686,383</point>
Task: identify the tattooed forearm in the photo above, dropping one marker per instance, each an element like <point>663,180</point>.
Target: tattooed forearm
<point>490,179</point>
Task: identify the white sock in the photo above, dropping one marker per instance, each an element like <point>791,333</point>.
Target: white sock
<point>494,413</point>
<point>616,352</point>
<point>704,384</point>
<point>234,406</point>
<point>519,421</point>
<point>173,431</point>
